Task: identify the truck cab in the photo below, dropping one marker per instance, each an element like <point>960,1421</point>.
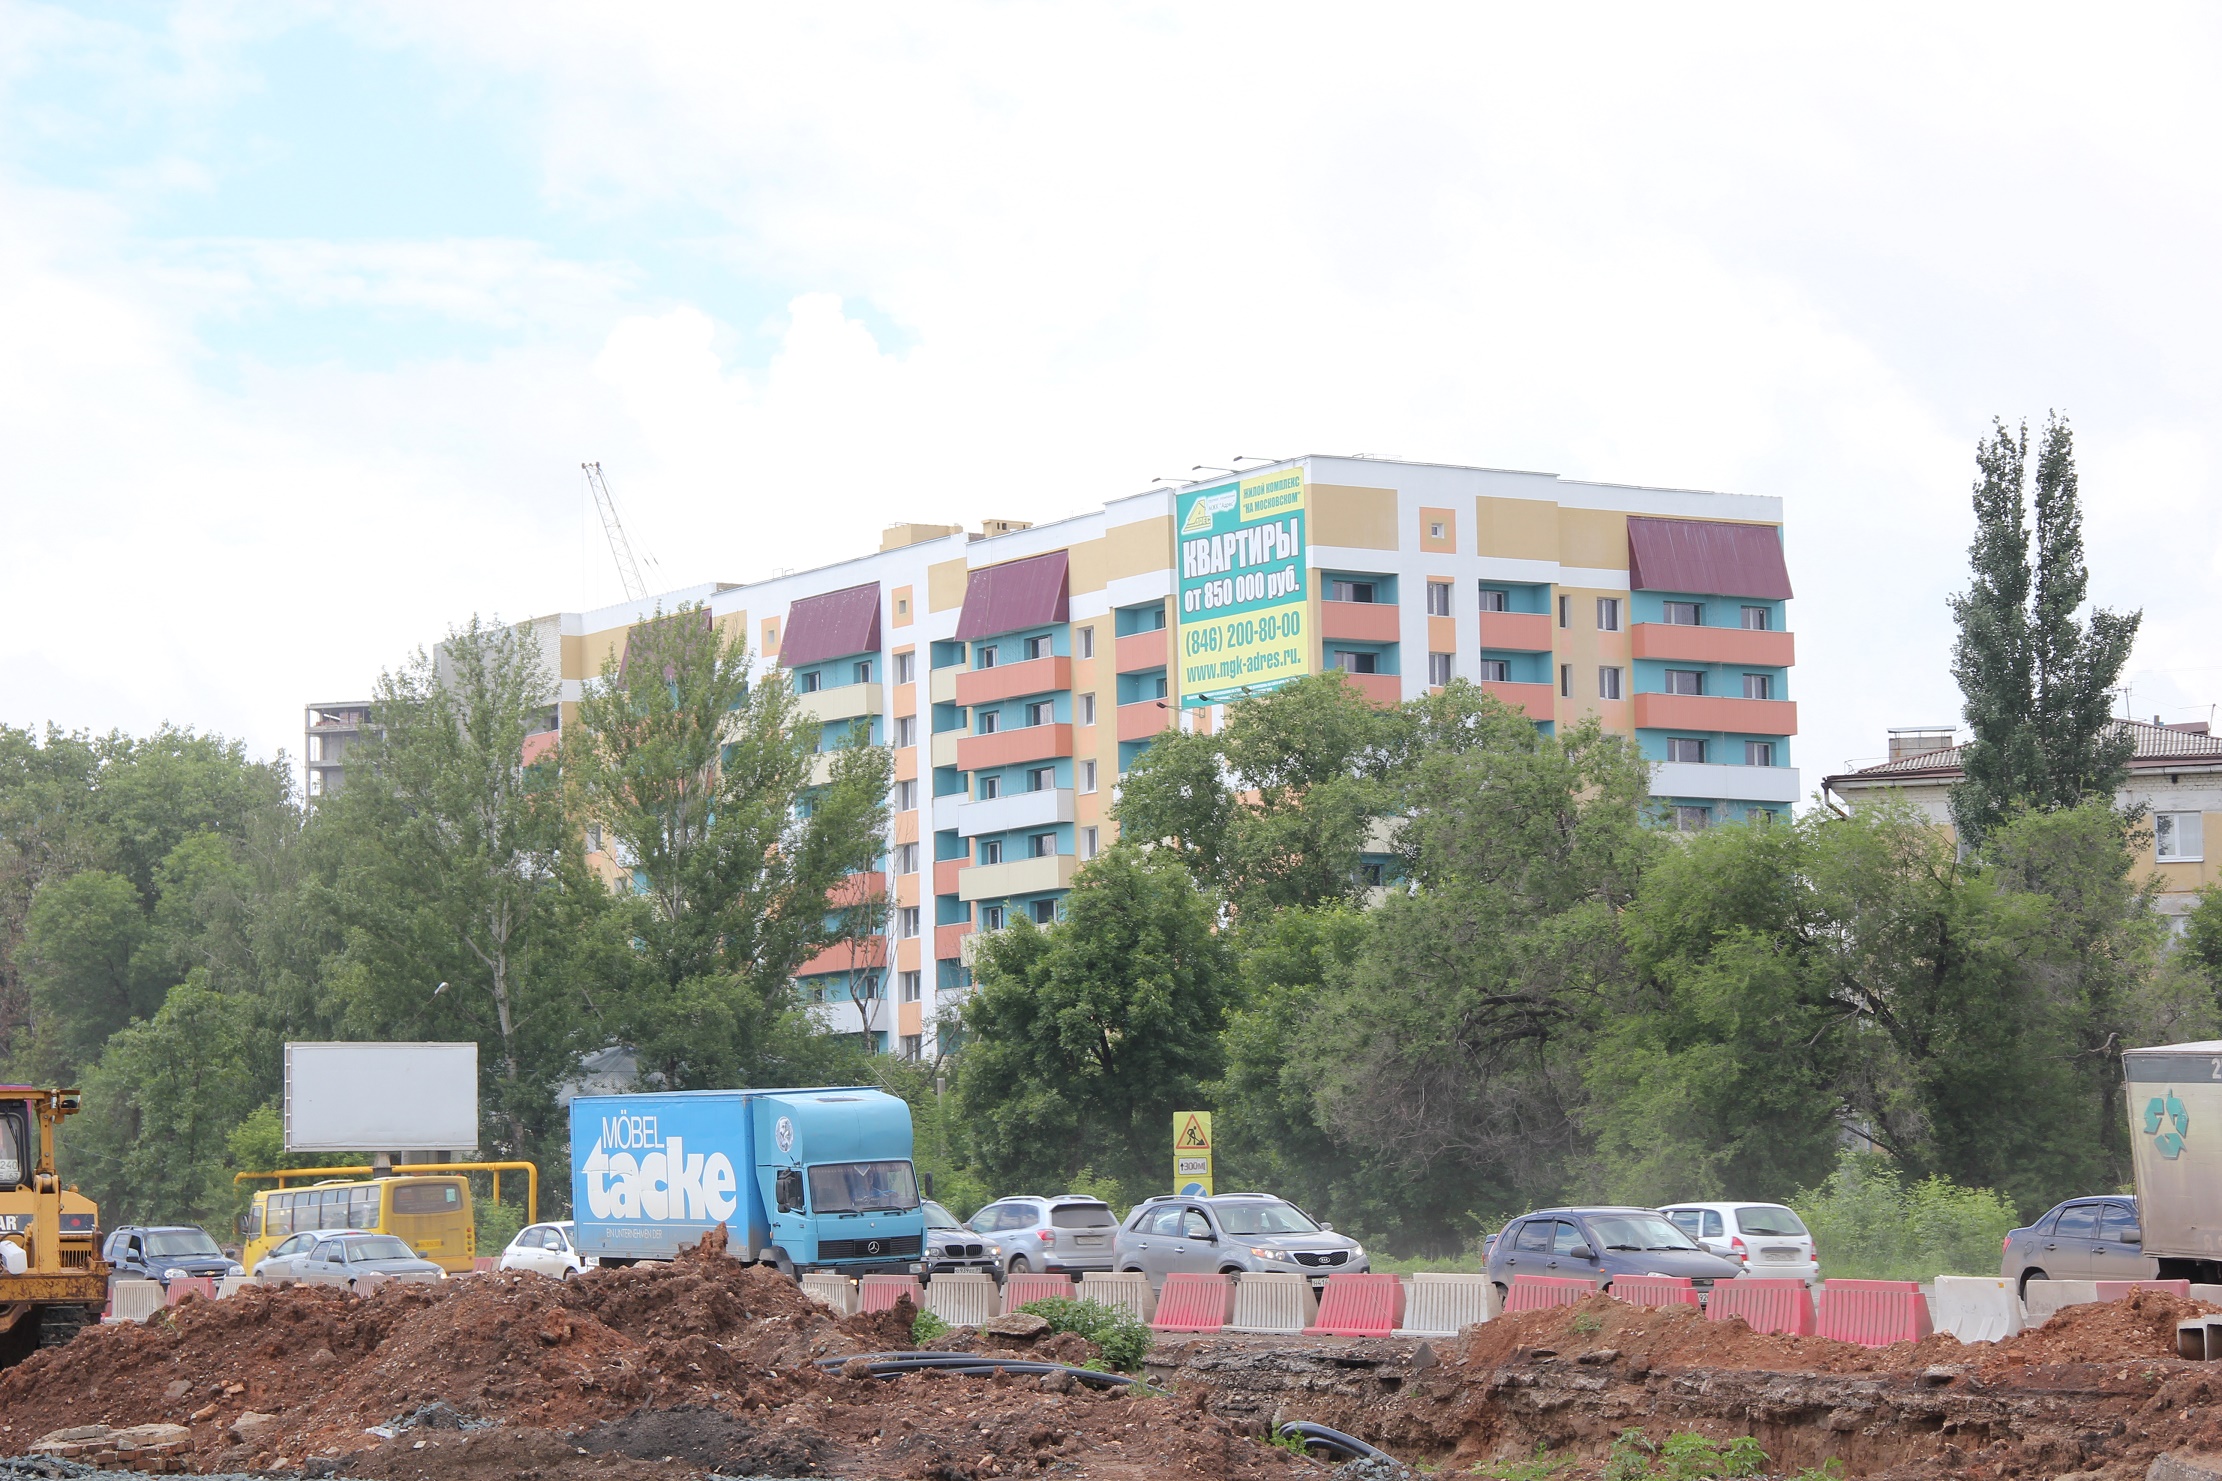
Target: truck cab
<point>836,1197</point>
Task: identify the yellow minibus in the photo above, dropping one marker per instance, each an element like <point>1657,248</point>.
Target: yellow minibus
<point>432,1215</point>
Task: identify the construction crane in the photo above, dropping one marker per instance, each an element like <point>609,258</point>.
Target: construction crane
<point>621,547</point>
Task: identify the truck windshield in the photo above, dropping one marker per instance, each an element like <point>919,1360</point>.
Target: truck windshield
<point>12,1143</point>
<point>862,1188</point>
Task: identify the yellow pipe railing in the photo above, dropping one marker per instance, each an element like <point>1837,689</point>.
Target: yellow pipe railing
<point>364,1170</point>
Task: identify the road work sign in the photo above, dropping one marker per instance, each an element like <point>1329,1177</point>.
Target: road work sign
<point>1192,1152</point>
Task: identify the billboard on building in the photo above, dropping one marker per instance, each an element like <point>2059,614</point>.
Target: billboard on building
<point>381,1097</point>
<point>1243,615</point>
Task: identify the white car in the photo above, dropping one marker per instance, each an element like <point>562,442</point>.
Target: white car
<point>1767,1240</point>
<point>548,1249</point>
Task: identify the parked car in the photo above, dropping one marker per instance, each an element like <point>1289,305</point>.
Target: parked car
<point>548,1249</point>
<point>163,1251</point>
<point>2082,1239</point>
<point>340,1259</point>
<point>1227,1232</point>
<point>952,1246</point>
<point>287,1256</point>
<point>1766,1239</point>
<point>1067,1232</point>
<point>1597,1244</point>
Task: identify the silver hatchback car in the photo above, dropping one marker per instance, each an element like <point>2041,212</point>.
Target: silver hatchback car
<point>1226,1232</point>
<point>1065,1232</point>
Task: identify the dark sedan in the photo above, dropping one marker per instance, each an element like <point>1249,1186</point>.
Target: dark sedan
<point>1598,1244</point>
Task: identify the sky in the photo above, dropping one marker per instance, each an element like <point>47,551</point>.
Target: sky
<point>309,313</point>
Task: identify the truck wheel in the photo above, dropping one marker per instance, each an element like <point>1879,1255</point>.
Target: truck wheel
<point>57,1324</point>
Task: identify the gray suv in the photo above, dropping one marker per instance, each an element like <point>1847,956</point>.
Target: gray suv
<point>1062,1233</point>
<point>1227,1232</point>
<point>2082,1239</point>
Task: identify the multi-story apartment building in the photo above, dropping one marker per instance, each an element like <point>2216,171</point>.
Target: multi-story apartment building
<point>327,730</point>
<point>1018,671</point>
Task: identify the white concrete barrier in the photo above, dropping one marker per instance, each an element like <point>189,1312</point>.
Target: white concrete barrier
<point>231,1285</point>
<point>1273,1303</point>
<point>1129,1290</point>
<point>135,1300</point>
<point>1976,1308</point>
<point>1442,1305</point>
<point>2041,1298</point>
<point>829,1289</point>
<point>963,1298</point>
<point>2212,1295</point>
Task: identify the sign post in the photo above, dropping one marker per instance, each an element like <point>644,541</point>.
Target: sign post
<point>1244,590</point>
<point>1192,1152</point>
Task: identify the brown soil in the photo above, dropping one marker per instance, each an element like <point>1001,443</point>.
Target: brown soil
<point>705,1361</point>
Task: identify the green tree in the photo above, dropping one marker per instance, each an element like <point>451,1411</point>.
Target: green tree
<point>87,952</point>
<point>2037,680</point>
<point>458,886</point>
<point>740,824</point>
<point>1086,1036</point>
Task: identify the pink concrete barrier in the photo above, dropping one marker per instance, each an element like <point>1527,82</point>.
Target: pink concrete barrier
<point>1356,1305</point>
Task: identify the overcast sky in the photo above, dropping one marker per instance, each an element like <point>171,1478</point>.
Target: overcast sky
<point>308,314</point>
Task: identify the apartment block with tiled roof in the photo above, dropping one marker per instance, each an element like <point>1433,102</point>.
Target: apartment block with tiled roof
<point>1017,671</point>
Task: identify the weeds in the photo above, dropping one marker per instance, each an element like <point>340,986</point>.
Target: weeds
<point>1537,1467</point>
<point>926,1327</point>
<point>1124,1340</point>
<point>1683,1457</point>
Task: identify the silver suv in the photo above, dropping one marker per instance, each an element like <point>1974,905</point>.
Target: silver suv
<point>1065,1232</point>
<point>1226,1232</point>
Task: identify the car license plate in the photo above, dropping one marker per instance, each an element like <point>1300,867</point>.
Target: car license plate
<point>1779,1252</point>
<point>1087,1239</point>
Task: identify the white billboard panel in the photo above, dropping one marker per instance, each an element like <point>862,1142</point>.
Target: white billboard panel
<point>381,1097</point>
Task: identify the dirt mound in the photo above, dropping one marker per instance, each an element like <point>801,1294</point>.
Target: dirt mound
<point>2141,1326</point>
<point>1661,1337</point>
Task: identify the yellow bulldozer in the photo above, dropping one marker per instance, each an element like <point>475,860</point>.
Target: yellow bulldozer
<point>52,1279</point>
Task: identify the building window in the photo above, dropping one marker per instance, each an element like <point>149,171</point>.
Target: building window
<point>1349,591</point>
<point>913,1045</point>
<point>1685,681</point>
<point>1496,671</point>
<point>1565,611</point>
<point>1438,669</point>
<point>1759,686</point>
<point>984,722</point>
<point>991,851</point>
<point>1680,748</point>
<point>1040,712</point>
<point>906,921</point>
<point>1087,642</point>
<point>861,673</point>
<point>987,786</point>
<point>1566,681</point>
<point>2179,836</point>
<point>906,858</point>
<point>594,838</point>
<point>906,732</point>
<point>1037,647</point>
<point>1045,912</point>
<point>1088,843</point>
<point>1686,614</point>
<point>1758,619</point>
<point>1608,683</point>
<point>1759,753</point>
<point>1087,776</point>
<point>1042,779</point>
<point>1357,663</point>
<point>1087,709</point>
<point>913,985</point>
<point>991,917</point>
<point>1371,874</point>
<point>906,667</point>
<point>1493,600</point>
<point>1438,599</point>
<point>906,796</point>
<point>1435,531</point>
<point>983,657</point>
<point>1693,819</point>
<point>1042,845</point>
<point>1608,614</point>
<point>807,681</point>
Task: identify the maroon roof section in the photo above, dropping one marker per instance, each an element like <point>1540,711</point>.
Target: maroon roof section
<point>1014,595</point>
<point>1706,558</point>
<point>832,625</point>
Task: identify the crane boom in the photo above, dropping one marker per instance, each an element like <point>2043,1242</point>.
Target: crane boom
<point>621,548</point>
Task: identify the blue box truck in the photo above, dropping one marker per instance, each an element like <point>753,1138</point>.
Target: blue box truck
<point>816,1179</point>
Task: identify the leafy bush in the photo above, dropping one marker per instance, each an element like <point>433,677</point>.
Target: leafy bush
<point>1871,1225</point>
<point>1683,1457</point>
<point>927,1328</point>
<point>1124,1340</point>
<point>496,1224</point>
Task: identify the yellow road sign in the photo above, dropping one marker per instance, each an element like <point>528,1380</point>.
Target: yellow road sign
<point>1192,1151</point>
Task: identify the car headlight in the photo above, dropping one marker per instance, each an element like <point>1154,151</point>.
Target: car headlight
<point>173,1273</point>
<point>1265,1254</point>
<point>1357,1252</point>
<point>238,1270</point>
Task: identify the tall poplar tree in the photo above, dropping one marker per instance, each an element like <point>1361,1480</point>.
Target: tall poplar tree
<point>2037,681</point>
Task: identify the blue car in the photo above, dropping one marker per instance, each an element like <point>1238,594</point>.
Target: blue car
<point>1598,1244</point>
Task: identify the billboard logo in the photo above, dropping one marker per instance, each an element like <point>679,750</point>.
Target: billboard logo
<point>2169,1143</point>
<point>668,1183</point>
<point>784,1134</point>
<point>1206,509</point>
